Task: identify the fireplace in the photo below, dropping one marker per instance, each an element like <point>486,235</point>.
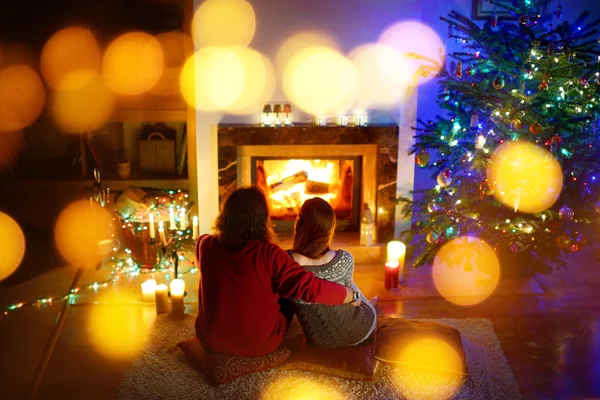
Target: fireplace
<point>290,175</point>
<point>354,168</point>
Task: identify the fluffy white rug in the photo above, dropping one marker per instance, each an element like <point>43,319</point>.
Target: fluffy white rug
<point>162,372</point>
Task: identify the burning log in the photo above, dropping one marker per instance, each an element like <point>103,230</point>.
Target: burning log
<point>286,183</point>
<point>314,187</point>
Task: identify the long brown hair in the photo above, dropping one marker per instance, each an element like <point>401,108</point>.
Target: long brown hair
<point>244,217</point>
<point>314,228</point>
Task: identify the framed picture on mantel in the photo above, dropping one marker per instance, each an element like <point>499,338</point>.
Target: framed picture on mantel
<point>483,9</point>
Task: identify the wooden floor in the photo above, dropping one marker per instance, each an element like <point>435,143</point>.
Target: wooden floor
<point>551,339</point>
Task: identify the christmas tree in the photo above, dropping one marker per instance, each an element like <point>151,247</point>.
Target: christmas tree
<point>516,153</point>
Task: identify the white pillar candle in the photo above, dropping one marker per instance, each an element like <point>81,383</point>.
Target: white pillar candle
<point>177,292</point>
<point>148,289</point>
<point>172,225</point>
<point>195,228</point>
<point>151,231</point>
<point>162,298</point>
<point>161,233</point>
<point>396,251</point>
<point>182,219</point>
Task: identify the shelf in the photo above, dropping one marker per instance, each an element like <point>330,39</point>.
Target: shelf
<point>149,116</point>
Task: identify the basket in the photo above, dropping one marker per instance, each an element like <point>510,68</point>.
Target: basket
<point>145,254</point>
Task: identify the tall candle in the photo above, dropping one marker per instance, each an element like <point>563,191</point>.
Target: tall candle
<point>182,219</point>
<point>396,251</point>
<point>148,289</point>
<point>162,298</point>
<point>161,233</point>
<point>195,228</point>
<point>391,275</point>
<point>177,292</point>
<point>172,225</point>
<point>151,226</point>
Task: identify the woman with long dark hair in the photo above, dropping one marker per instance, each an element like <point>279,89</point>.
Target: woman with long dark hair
<point>326,326</point>
<point>245,277</point>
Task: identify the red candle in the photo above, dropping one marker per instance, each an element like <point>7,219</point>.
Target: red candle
<point>391,274</point>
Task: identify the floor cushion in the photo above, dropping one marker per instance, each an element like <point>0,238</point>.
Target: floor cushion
<point>350,362</point>
<point>223,368</point>
<point>420,345</point>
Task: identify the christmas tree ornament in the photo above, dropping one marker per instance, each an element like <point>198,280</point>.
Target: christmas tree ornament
<point>551,47</point>
<point>485,189</point>
<point>555,142</point>
<point>471,71</point>
<point>422,159</point>
<point>516,124</point>
<point>432,237</point>
<point>566,213</point>
<point>474,121</point>
<point>523,20</point>
<point>480,141</point>
<point>529,68</point>
<point>446,94</point>
<point>451,232</point>
<point>494,20</point>
<point>563,241</point>
<point>443,180</point>
<point>498,82</point>
<point>458,72</point>
<point>558,12</point>
<point>535,128</point>
<point>543,86</point>
<point>583,81</point>
<point>434,207</point>
<point>574,248</point>
<point>515,248</point>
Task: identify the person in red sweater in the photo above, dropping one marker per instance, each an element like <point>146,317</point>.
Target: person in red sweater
<point>245,281</point>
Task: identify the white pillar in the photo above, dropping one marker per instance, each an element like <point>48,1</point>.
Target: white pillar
<point>208,165</point>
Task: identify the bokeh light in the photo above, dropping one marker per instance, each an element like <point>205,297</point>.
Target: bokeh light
<point>299,42</point>
<point>11,144</point>
<point>525,177</point>
<point>384,75</point>
<point>22,97</point>
<point>223,23</point>
<point>466,271</point>
<point>321,81</point>
<point>299,387</point>
<point>421,45</point>
<point>176,47</point>
<point>429,368</point>
<point>118,331</point>
<point>83,233</point>
<point>12,246</point>
<point>84,109</point>
<point>213,79</point>
<point>70,59</point>
<point>133,63</point>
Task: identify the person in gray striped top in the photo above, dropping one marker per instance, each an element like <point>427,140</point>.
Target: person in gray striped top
<point>328,326</point>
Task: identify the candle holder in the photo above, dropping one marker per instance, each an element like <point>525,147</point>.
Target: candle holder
<point>342,120</point>
<point>391,275</point>
<point>321,120</point>
<point>360,120</point>
<point>287,109</point>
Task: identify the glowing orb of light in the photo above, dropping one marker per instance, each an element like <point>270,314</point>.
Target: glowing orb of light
<point>70,59</point>
<point>299,387</point>
<point>428,368</point>
<point>299,42</point>
<point>321,81</point>
<point>11,144</point>
<point>525,177</point>
<point>176,46</point>
<point>466,271</point>
<point>12,245</point>
<point>133,63</point>
<point>224,23</point>
<point>84,109</point>
<point>384,74</point>
<point>213,79</point>
<point>83,233</point>
<point>420,44</point>
<point>22,97</point>
<point>119,332</point>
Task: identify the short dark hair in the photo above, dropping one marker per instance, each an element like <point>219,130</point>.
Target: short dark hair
<point>314,228</point>
<point>244,217</point>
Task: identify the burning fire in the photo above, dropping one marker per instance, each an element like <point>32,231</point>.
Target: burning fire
<point>291,182</point>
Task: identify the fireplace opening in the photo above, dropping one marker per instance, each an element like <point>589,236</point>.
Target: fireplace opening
<point>289,182</point>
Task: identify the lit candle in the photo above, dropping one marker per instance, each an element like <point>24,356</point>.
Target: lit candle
<point>195,228</point>
<point>177,292</point>
<point>161,233</point>
<point>148,289</point>
<point>162,298</point>
<point>151,226</point>
<point>182,219</point>
<point>391,275</point>
<point>396,252</point>
<point>172,225</point>
<point>342,120</point>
